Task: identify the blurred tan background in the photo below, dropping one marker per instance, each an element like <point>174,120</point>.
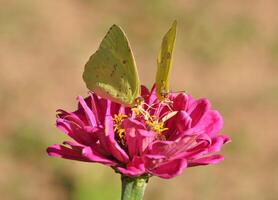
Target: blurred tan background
<point>226,51</point>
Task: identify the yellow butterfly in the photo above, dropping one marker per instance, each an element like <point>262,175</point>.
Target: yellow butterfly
<point>111,71</point>
<point>164,61</point>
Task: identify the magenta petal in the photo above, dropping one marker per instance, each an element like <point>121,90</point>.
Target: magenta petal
<point>144,139</point>
<point>145,93</point>
<point>131,140</point>
<point>67,127</point>
<point>198,150</point>
<point>65,152</point>
<point>181,102</point>
<point>88,112</point>
<point>198,110</point>
<point>94,107</point>
<point>138,140</point>
<point>63,126</point>
<point>118,152</point>
<point>203,138</point>
<point>131,123</point>
<point>103,109</point>
<point>214,159</point>
<point>171,149</point>
<point>61,113</point>
<point>211,124</point>
<point>137,137</point>
<point>130,171</point>
<point>226,138</point>
<point>74,145</point>
<point>160,148</point>
<point>115,109</point>
<point>111,143</point>
<point>170,169</point>
<point>183,121</point>
<point>218,142</point>
<point>94,156</point>
<point>81,135</point>
<point>196,153</point>
<point>152,98</point>
<point>134,168</point>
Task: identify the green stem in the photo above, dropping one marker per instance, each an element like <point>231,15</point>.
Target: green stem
<point>133,188</point>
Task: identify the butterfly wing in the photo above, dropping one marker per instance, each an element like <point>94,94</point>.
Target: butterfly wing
<point>164,61</point>
<point>111,71</point>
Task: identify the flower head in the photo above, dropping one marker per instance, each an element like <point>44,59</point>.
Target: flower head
<point>159,138</point>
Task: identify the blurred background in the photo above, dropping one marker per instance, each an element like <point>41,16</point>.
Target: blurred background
<point>226,51</point>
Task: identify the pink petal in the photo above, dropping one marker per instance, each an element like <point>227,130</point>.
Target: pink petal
<point>195,153</point>
<point>131,140</point>
<point>76,132</point>
<point>144,92</point>
<point>152,98</point>
<point>169,169</point>
<point>103,109</point>
<point>197,110</point>
<point>180,102</point>
<point>134,168</point>
<point>132,123</point>
<point>63,126</point>
<point>94,156</point>
<point>73,117</point>
<point>114,108</point>
<point>110,142</point>
<point>65,152</point>
<point>214,159</point>
<point>159,148</point>
<point>137,137</point>
<point>183,121</point>
<point>144,138</point>
<point>211,123</point>
<point>88,112</point>
<point>200,147</point>
<point>170,149</point>
<point>95,107</point>
<point>218,142</point>
<point>74,145</point>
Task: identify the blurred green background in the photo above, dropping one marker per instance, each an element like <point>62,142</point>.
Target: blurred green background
<point>226,51</point>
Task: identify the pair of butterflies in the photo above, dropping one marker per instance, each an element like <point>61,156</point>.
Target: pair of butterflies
<point>111,71</point>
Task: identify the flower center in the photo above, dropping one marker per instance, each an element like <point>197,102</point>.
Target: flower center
<point>120,132</point>
<point>156,125</point>
<point>153,122</point>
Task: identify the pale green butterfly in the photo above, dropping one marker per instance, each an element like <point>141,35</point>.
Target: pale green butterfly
<point>164,61</point>
<point>111,71</point>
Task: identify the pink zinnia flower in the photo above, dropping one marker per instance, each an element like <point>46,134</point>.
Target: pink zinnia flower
<point>158,138</point>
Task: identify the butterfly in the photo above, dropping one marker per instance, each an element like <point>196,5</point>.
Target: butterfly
<point>164,61</point>
<point>111,71</point>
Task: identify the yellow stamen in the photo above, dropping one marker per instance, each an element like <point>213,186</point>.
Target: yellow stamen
<point>153,122</point>
<point>120,132</point>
